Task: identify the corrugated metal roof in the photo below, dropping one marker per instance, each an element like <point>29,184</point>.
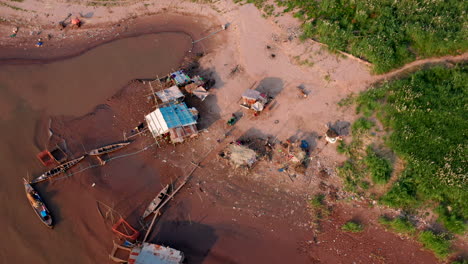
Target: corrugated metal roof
<point>177,115</point>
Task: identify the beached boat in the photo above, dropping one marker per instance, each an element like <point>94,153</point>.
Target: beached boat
<point>57,170</point>
<point>108,149</point>
<point>156,202</point>
<point>38,204</point>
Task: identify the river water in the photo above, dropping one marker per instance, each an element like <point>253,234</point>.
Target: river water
<point>29,94</point>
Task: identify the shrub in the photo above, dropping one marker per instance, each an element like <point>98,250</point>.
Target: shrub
<point>353,227</point>
<point>317,201</point>
<point>379,167</point>
<point>451,220</point>
<point>361,125</point>
<point>439,244</point>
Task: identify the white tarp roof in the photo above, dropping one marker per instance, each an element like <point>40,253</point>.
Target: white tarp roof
<point>170,94</point>
<point>156,123</point>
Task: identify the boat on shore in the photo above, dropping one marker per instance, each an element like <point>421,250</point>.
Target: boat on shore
<point>38,204</point>
<point>108,149</point>
<point>57,170</point>
<point>156,202</point>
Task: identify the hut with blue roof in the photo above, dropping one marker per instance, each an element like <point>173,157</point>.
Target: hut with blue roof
<point>176,119</point>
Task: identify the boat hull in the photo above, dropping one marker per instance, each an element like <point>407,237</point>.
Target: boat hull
<point>57,170</point>
<point>108,149</point>
<point>38,204</point>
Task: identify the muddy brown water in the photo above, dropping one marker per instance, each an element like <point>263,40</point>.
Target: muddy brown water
<point>29,94</point>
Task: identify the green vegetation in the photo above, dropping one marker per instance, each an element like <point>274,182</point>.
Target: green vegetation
<point>380,168</point>
<point>384,32</point>
<point>439,244</point>
<point>453,222</point>
<point>361,125</point>
<point>362,164</point>
<point>399,225</point>
<point>317,204</point>
<point>353,227</point>
<point>425,115</point>
<point>305,62</point>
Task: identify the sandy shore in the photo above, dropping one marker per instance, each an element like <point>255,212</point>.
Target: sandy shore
<point>223,213</point>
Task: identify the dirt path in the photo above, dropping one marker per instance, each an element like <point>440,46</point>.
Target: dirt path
<point>419,64</point>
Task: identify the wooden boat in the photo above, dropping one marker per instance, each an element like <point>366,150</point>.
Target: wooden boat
<point>156,202</point>
<point>57,170</point>
<point>38,204</point>
<point>108,149</point>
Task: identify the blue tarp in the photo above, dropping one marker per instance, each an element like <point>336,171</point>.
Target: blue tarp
<point>177,115</point>
<point>180,77</point>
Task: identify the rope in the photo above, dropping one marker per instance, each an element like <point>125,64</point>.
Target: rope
<point>98,165</point>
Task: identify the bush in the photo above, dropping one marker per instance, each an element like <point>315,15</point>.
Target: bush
<point>451,220</point>
<point>317,201</point>
<point>439,244</point>
<point>399,225</point>
<point>352,227</point>
<point>361,125</point>
<point>380,168</point>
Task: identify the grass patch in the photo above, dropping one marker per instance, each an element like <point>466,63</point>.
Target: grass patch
<point>399,225</point>
<point>384,32</point>
<point>425,115</point>
<point>361,125</point>
<point>452,221</point>
<point>318,206</point>
<point>352,227</point>
<point>439,244</point>
<point>380,168</point>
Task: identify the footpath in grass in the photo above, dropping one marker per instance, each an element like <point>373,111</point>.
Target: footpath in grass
<point>387,33</point>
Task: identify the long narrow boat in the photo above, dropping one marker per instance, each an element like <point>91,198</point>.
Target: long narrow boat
<point>38,204</point>
<point>57,170</point>
<point>108,149</point>
<point>156,202</point>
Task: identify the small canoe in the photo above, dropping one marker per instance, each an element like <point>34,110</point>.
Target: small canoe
<point>108,149</point>
<point>57,170</point>
<point>38,204</point>
<point>156,202</point>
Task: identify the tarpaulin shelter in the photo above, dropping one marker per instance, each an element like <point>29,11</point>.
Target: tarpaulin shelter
<point>254,99</point>
<point>147,253</point>
<point>176,119</point>
<point>170,94</point>
<point>180,78</point>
